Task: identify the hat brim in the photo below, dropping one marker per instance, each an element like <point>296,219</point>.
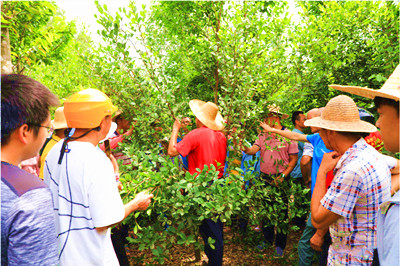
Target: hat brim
<point>59,125</point>
<point>217,124</point>
<point>393,94</point>
<point>360,126</point>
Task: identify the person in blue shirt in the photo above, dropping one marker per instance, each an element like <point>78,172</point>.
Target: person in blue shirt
<point>186,122</point>
<point>298,119</point>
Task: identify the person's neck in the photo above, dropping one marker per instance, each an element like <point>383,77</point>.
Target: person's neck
<point>10,155</point>
<point>343,144</point>
<point>60,134</point>
<point>92,137</point>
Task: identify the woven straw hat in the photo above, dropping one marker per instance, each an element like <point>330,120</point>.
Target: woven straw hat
<point>341,114</point>
<point>390,90</point>
<point>59,119</point>
<point>116,115</point>
<point>208,114</point>
<point>276,109</point>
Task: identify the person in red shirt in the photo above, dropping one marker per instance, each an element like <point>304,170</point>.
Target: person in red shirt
<point>205,145</point>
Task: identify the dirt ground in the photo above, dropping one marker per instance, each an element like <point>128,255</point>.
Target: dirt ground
<point>238,250</point>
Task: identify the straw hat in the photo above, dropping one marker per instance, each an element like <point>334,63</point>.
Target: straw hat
<point>390,90</point>
<point>276,110</point>
<point>59,119</point>
<point>208,114</point>
<point>341,114</point>
<point>116,115</point>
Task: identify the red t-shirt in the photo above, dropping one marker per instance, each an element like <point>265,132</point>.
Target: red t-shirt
<point>329,178</point>
<point>375,140</point>
<point>203,146</point>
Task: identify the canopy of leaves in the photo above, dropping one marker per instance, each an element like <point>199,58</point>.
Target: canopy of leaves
<point>37,34</point>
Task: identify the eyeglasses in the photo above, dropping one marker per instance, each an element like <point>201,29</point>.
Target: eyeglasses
<point>49,128</point>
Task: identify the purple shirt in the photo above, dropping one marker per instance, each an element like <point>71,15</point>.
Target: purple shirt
<point>275,151</point>
<point>28,226</point>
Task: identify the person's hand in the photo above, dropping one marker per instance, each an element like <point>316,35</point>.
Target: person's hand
<point>316,242</point>
<point>177,125</point>
<point>130,130</point>
<point>329,161</point>
<point>120,186</point>
<point>143,200</point>
<point>266,127</point>
<point>114,163</point>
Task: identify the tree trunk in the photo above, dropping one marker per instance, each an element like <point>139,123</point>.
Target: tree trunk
<point>6,65</point>
<point>197,251</point>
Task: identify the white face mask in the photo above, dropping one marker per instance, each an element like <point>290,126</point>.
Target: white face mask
<point>113,127</point>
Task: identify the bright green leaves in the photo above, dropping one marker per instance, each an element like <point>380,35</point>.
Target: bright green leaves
<point>38,35</point>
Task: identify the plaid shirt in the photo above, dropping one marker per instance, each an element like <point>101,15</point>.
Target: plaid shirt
<point>361,183</point>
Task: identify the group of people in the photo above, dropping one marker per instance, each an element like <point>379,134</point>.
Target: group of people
<point>67,218</point>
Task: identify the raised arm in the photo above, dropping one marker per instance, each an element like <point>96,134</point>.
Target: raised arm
<point>321,217</point>
<point>252,150</point>
<point>284,133</point>
<point>172,151</point>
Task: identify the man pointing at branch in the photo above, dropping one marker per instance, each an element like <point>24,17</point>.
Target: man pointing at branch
<point>205,145</point>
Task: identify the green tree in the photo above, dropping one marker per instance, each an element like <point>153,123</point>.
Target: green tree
<point>153,62</point>
<point>36,34</point>
<point>342,42</point>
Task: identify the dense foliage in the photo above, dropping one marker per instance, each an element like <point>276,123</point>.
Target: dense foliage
<point>240,55</point>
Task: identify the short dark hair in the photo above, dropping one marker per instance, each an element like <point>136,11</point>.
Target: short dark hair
<point>23,101</point>
<point>385,101</point>
<point>296,116</point>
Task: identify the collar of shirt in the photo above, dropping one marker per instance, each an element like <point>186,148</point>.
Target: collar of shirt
<point>358,146</point>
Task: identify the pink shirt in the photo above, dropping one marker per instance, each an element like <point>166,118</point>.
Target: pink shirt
<point>204,146</point>
<point>31,165</point>
<point>275,151</point>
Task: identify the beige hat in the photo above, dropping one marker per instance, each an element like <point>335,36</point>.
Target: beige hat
<point>59,121</point>
<point>116,115</point>
<point>390,90</point>
<point>276,109</point>
<point>208,114</point>
<point>341,114</point>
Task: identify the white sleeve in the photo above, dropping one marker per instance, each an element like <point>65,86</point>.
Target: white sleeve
<point>308,149</point>
<point>391,161</point>
<point>105,203</point>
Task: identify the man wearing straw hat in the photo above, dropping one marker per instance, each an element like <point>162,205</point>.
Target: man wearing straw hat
<point>311,238</point>
<point>361,183</point>
<point>205,145</point>
<point>59,125</point>
<point>277,163</point>
<point>387,103</point>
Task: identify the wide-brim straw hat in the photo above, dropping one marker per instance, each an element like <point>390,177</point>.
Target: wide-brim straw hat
<point>390,90</point>
<point>208,114</point>
<point>341,114</point>
<point>276,110</point>
<point>59,121</point>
